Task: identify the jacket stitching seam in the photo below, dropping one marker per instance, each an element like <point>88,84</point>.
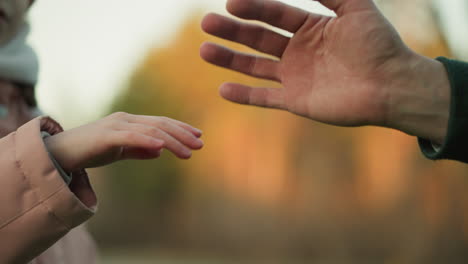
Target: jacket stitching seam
<point>34,207</point>
<point>33,189</point>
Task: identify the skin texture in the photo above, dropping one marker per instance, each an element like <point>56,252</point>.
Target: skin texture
<point>116,137</point>
<point>122,136</point>
<point>349,70</point>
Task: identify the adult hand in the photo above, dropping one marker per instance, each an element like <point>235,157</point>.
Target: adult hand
<point>349,70</point>
<point>122,136</point>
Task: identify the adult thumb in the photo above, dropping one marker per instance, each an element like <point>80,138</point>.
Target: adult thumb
<point>341,7</point>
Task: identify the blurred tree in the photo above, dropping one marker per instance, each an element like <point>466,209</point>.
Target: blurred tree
<point>272,184</point>
<point>143,193</point>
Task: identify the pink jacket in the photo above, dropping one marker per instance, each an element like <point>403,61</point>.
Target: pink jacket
<point>37,208</point>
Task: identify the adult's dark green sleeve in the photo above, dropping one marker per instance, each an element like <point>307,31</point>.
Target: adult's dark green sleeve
<point>455,146</point>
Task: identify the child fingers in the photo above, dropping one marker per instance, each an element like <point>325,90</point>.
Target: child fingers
<point>195,131</point>
<point>180,148</point>
<point>181,134</point>
<point>156,120</point>
<point>185,136</point>
<point>140,153</point>
<point>134,139</point>
<point>175,146</point>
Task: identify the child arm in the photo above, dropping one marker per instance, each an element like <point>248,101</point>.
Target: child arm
<point>122,136</point>
<point>37,207</point>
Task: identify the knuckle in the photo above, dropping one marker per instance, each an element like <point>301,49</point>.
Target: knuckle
<point>162,121</point>
<point>130,136</point>
<point>111,124</point>
<point>119,115</point>
<point>151,131</point>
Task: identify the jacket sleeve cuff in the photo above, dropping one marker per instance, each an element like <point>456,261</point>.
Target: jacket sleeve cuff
<point>455,146</point>
<point>71,205</point>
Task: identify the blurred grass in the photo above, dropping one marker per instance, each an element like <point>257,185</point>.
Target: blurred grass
<point>148,257</point>
<point>132,259</point>
<point>115,259</point>
<point>150,260</point>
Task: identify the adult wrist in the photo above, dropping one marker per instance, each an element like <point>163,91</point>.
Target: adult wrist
<point>420,100</point>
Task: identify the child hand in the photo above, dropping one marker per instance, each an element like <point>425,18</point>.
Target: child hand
<point>122,136</point>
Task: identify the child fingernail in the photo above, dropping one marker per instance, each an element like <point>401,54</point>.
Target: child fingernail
<point>199,143</point>
<point>198,131</point>
<point>187,153</point>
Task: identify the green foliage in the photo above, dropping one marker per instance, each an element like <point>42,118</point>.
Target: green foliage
<point>153,181</point>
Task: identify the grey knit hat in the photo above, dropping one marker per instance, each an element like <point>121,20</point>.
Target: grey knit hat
<point>18,61</point>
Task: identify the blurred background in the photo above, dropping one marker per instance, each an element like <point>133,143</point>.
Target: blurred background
<point>268,187</point>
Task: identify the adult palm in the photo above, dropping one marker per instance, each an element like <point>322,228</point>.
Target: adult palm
<point>338,70</point>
